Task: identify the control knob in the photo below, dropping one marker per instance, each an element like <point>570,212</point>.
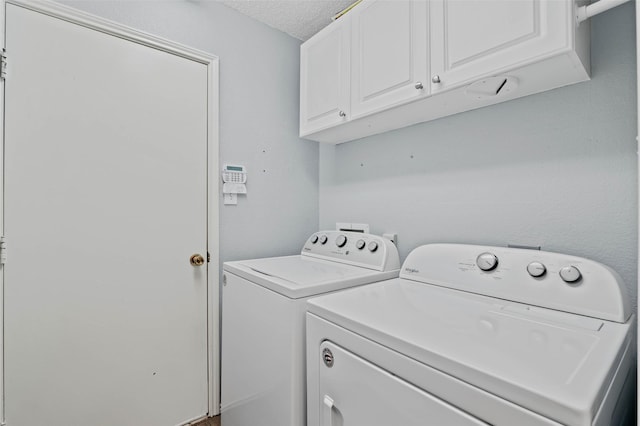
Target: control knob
<point>373,246</point>
<point>360,244</point>
<point>487,261</point>
<point>536,269</point>
<point>570,274</point>
<point>314,239</point>
<point>341,240</point>
<point>323,239</point>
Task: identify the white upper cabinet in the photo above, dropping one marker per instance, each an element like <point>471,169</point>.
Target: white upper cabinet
<point>324,78</point>
<point>388,64</point>
<point>389,51</point>
<point>473,39</point>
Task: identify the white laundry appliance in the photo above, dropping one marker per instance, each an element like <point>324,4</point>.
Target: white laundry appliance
<point>263,321</point>
<point>473,335</point>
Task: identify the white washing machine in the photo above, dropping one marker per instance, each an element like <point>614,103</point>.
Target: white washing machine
<point>263,321</point>
<point>473,335</point>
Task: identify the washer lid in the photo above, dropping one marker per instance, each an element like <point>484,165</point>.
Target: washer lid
<point>554,363</point>
<point>302,276</point>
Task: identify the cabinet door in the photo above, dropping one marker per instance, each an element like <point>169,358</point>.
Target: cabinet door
<point>474,39</point>
<point>324,78</point>
<point>389,54</point>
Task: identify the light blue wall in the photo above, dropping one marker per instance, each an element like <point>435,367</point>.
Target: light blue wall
<point>259,98</point>
<point>556,169</point>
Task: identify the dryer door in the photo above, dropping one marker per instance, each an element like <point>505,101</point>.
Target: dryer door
<point>354,392</point>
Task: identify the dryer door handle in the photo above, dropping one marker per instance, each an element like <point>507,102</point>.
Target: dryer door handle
<point>328,411</point>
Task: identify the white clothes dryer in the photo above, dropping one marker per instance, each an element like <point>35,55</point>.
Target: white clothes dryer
<point>263,321</point>
<point>472,335</point>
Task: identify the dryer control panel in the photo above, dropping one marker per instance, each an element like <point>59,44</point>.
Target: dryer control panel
<point>550,280</point>
<point>353,248</point>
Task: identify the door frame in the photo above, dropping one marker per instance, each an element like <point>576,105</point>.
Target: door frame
<point>93,22</point>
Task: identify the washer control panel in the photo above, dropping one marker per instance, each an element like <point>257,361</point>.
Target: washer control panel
<point>569,274</point>
<point>355,248</point>
<point>551,280</point>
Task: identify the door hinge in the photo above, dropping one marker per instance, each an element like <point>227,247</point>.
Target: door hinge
<point>3,64</point>
<point>3,250</point>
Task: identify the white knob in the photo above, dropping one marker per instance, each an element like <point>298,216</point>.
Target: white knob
<point>323,239</point>
<point>360,244</point>
<point>436,79</point>
<point>487,261</point>
<point>419,85</point>
<point>314,239</point>
<point>342,114</point>
<point>536,269</point>
<point>373,246</point>
<point>341,240</point>
<point>570,274</point>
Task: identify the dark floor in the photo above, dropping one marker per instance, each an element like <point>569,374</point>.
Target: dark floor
<point>211,421</point>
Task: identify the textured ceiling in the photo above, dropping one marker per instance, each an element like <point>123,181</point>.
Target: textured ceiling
<point>298,18</point>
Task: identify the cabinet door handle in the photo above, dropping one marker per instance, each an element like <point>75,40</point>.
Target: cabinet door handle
<point>436,79</point>
<point>419,85</point>
<point>328,411</point>
<point>342,114</point>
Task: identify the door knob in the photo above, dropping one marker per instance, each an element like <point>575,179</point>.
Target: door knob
<point>196,260</point>
<point>419,85</point>
<point>435,79</point>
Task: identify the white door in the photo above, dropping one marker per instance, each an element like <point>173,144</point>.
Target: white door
<point>389,54</point>
<point>474,39</point>
<point>324,78</point>
<point>105,201</point>
<point>355,392</point>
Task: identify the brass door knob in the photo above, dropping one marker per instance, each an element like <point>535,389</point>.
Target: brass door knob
<point>196,260</point>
